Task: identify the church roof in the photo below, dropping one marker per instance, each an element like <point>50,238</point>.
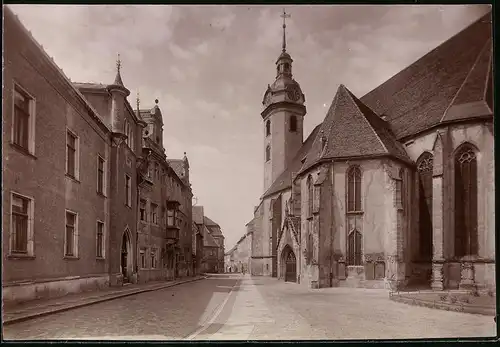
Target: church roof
<point>427,92</point>
<point>284,181</point>
<point>351,129</point>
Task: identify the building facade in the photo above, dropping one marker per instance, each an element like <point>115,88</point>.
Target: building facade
<point>239,258</point>
<point>391,190</point>
<point>90,200</point>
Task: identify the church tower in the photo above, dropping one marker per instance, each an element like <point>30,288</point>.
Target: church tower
<point>283,117</point>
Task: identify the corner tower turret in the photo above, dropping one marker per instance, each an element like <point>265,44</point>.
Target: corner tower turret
<point>283,117</point>
<point>119,94</point>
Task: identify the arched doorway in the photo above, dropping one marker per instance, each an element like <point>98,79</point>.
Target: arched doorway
<point>290,265</point>
<point>126,257</point>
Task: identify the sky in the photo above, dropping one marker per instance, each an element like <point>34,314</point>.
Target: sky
<point>209,66</point>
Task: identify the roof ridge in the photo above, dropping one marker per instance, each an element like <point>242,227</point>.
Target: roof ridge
<point>466,78</point>
<point>364,117</point>
<point>332,108</point>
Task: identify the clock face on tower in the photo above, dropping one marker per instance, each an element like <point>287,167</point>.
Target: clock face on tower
<point>293,94</point>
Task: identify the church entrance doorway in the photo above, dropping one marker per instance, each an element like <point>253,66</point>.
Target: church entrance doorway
<point>126,257</point>
<point>290,265</point>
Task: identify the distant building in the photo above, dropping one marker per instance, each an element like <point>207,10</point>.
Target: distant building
<point>239,258</point>
<point>90,199</point>
<point>391,190</point>
<point>213,242</point>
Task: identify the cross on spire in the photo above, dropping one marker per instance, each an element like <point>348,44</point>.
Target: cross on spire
<point>118,63</point>
<point>284,15</point>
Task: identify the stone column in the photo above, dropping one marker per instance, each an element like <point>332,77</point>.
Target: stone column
<point>437,215</point>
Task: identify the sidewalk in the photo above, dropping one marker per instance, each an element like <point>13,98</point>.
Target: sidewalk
<point>37,308</point>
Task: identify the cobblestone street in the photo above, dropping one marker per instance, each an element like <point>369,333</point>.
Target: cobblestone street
<point>223,307</point>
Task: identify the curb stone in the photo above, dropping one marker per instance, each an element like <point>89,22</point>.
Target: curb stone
<point>485,311</point>
<point>109,297</point>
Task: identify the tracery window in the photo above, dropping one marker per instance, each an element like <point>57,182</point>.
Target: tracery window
<point>466,238</point>
<point>354,250</point>
<point>424,169</point>
<point>354,189</point>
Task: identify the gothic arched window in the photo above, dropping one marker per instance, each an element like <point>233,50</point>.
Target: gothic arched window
<point>268,127</point>
<point>466,242</point>
<point>424,169</point>
<point>354,249</point>
<point>310,195</point>
<point>354,189</point>
<point>293,123</point>
<point>268,153</point>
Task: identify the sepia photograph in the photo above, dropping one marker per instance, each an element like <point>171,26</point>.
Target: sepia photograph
<point>248,173</point>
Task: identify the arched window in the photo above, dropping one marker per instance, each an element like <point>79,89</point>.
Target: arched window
<point>268,127</point>
<point>268,153</point>
<point>310,195</point>
<point>354,251</point>
<point>466,242</point>
<point>424,169</point>
<point>354,189</point>
<point>293,123</point>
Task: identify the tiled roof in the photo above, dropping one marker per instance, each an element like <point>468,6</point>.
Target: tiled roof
<point>417,98</point>
<point>198,214</point>
<point>215,230</point>
<point>208,240</point>
<point>284,181</point>
<point>351,129</point>
<point>177,165</point>
<point>208,221</point>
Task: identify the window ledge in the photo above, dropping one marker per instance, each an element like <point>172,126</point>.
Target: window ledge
<point>21,256</point>
<point>100,258</point>
<point>74,179</point>
<point>309,217</point>
<point>70,257</point>
<point>101,195</point>
<point>23,150</point>
<point>126,205</point>
<point>354,212</point>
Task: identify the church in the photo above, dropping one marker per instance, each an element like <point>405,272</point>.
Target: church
<point>392,190</point>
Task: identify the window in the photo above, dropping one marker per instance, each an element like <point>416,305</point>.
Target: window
<point>287,67</point>
<point>154,213</point>
<point>268,127</point>
<point>153,258</point>
<point>310,195</point>
<point>100,175</point>
<point>164,216</point>
<point>310,246</point>
<point>157,171</point>
<point>142,255</point>
<point>354,253</point>
<point>142,210</point>
<point>71,155</point>
<point>150,170</point>
<point>466,234</point>
<point>354,189</point>
<point>424,170</point>
<point>126,131</point>
<point>21,225</point>
<point>71,236</point>
<point>399,188</point>
<point>128,191</point>
<point>293,123</point>
<point>100,240</point>
<point>268,153</point>
<point>23,122</point>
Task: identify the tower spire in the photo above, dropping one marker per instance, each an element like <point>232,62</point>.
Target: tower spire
<point>118,78</point>
<point>284,16</point>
